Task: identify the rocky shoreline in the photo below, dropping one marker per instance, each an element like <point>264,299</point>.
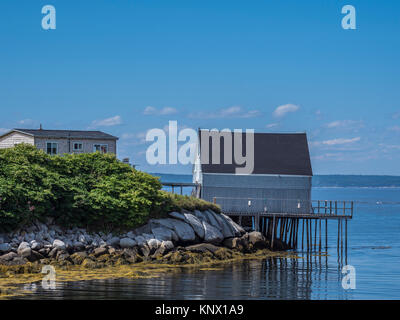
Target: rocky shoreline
<point>182,238</point>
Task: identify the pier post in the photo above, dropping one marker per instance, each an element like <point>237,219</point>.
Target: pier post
<point>273,231</point>
<point>320,231</point>
<point>326,234</point>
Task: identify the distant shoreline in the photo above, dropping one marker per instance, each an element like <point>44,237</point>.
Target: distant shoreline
<point>318,181</point>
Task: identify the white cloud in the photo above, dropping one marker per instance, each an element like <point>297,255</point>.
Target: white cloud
<point>396,115</point>
<point>335,142</point>
<point>109,122</point>
<point>154,111</point>
<point>272,125</point>
<point>4,130</point>
<point>344,123</point>
<point>133,138</point>
<point>281,111</point>
<point>395,128</point>
<point>231,112</point>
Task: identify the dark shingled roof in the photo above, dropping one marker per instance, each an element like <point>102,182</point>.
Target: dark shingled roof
<point>274,153</point>
<point>65,134</point>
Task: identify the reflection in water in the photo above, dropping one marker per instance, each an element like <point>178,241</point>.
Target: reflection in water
<point>309,277</point>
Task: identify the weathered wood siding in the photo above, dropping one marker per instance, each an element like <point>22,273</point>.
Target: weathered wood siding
<point>13,138</point>
<point>276,193</point>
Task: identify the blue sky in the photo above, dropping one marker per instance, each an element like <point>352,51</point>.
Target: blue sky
<point>128,66</point>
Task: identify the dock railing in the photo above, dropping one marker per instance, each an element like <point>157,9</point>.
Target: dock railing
<point>265,206</point>
<point>333,207</point>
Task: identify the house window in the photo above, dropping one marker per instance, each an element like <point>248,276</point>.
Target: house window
<point>77,146</point>
<point>102,148</point>
<point>52,148</point>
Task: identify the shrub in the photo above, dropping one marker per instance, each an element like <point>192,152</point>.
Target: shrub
<point>86,190</point>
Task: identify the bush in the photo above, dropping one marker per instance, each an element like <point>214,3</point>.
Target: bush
<point>86,190</point>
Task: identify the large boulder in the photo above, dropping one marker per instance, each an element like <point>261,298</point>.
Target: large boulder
<point>114,241</point>
<point>212,219</point>
<point>140,240</point>
<point>226,229</point>
<point>212,234</point>
<point>195,223</point>
<point>25,252</point>
<point>255,236</point>
<point>59,245</point>
<point>201,216</point>
<point>239,231</point>
<point>153,244</point>
<point>183,230</point>
<point>177,215</point>
<point>162,234</point>
<point>22,246</point>
<point>127,243</point>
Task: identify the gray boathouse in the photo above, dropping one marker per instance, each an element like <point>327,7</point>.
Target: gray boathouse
<point>280,181</point>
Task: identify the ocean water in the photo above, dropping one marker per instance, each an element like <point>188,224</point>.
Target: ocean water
<point>373,251</point>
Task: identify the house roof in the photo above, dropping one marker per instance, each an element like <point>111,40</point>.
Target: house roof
<point>66,134</point>
<point>274,153</point>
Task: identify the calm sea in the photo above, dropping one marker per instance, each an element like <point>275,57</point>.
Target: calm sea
<point>374,252</point>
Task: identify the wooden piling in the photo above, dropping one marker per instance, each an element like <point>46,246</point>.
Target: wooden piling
<point>320,231</point>
<point>273,231</point>
<point>326,234</point>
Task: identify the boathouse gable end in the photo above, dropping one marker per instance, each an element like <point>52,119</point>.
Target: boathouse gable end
<point>281,181</point>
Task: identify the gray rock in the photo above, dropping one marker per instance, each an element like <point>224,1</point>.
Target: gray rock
<point>82,239</point>
<point>168,245</point>
<point>227,230</point>
<point>177,215</point>
<point>195,223</point>
<point>127,243</point>
<point>5,247</point>
<point>8,256</point>
<point>255,237</point>
<point>238,229</point>
<point>131,235</point>
<point>143,229</point>
<point>162,234</point>
<point>77,245</point>
<point>36,245</point>
<point>212,220</point>
<point>114,241</point>
<point>25,252</point>
<point>202,217</point>
<point>58,244</point>
<point>154,244</point>
<point>140,240</point>
<point>212,234</point>
<point>183,230</point>
<point>22,246</point>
